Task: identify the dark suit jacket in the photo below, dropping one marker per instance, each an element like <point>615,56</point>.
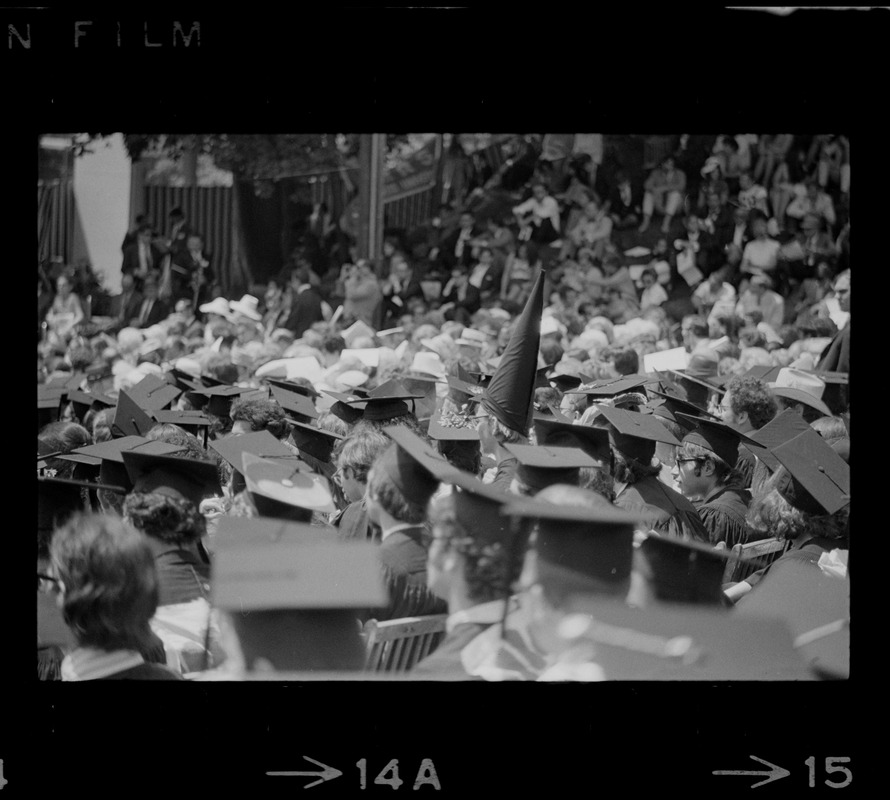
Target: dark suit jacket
<point>446,250</point>
<point>131,258</point>
<point>133,305</point>
<point>463,309</point>
<point>836,357</point>
<point>305,310</point>
<point>410,290</point>
<point>403,557</point>
<point>159,312</point>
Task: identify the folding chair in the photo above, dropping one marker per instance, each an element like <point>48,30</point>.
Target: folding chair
<point>396,645</point>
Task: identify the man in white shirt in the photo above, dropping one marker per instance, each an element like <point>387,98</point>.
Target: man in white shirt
<point>539,216</point>
<point>760,297</point>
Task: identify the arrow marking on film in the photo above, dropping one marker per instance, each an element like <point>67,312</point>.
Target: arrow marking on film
<point>773,774</point>
<point>327,773</point>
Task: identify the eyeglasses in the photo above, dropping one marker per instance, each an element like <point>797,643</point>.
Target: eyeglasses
<point>684,460</point>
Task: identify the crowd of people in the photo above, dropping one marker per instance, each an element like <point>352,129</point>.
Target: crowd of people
<point>553,414</point>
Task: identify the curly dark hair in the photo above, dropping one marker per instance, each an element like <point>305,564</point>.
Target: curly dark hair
<point>389,496</point>
<point>261,415</point>
<point>63,437</point>
<point>752,396</point>
<point>408,421</point>
<point>169,519</point>
<point>490,569</point>
<point>109,579</point>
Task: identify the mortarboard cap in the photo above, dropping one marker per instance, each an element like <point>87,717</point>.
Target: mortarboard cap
<point>460,391</point>
<point>763,372</point>
<point>566,382</point>
<point>153,393</point>
<point>171,475</point>
<point>510,394</point>
<point>685,572</point>
<point>258,443</point>
<point>298,407</point>
<point>184,381</point>
<point>426,389</point>
<point>562,433</point>
<point>818,480</point>
<point>294,573</point>
<point>612,387</point>
<point>295,388</point>
<point>192,421</point>
<point>387,401</point>
<point>635,434</point>
<point>541,466</point>
<point>594,541</point>
<point>718,437</point>
<point>49,405</point>
<point>413,466</point>
<point>130,419</point>
<point>317,442</point>
<point>67,382</point>
<point>816,608</point>
<point>452,424</point>
<point>111,466</point>
<point>669,405</point>
<point>345,407</point>
<point>482,378</point>
<point>780,429</point>
<point>257,532</point>
<point>666,642</point>
<point>278,490</point>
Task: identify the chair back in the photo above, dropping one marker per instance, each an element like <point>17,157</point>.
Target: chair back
<point>750,557</point>
<point>396,645</point>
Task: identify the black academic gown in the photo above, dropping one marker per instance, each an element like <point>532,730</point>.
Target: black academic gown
<point>403,558</point>
<point>663,509</point>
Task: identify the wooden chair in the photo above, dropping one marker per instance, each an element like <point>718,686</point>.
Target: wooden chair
<point>750,557</point>
<point>396,645</point>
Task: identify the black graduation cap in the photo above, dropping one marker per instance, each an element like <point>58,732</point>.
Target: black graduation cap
<point>317,442</point>
<point>298,407</point>
<point>557,433</point>
<point>183,380</point>
<point>278,491</point>
<point>816,608</point>
<point>696,389</point>
<point>111,468</point>
<point>593,541</point>
<point>385,402</point>
<point>68,382</point>
<point>346,407</point>
<point>461,391</point>
<point>781,428</point>
<point>413,466</point>
<point>481,378</point>
<point>670,405</point>
<point>635,434</point>
<point>715,436</point>
<point>185,478</point>
<point>258,443</point>
<point>453,423</point>
<point>612,387</point>
<point>295,388</point>
<point>84,401</point>
<point>191,421</point>
<point>130,419</point>
<point>153,393</point>
<point>566,382</point>
<point>221,398</point>
<point>685,572</point>
<point>818,478</point>
<point>294,571</point>
<point>541,466</point>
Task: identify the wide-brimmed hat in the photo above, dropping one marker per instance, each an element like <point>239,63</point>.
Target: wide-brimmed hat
<point>473,338</point>
<point>219,306</point>
<point>800,387</point>
<point>248,305</point>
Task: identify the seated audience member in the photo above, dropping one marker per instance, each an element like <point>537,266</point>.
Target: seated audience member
<point>663,193</point>
<point>653,293</point>
<point>109,594</point>
<point>354,457</point>
<point>747,406</point>
<point>759,296</point>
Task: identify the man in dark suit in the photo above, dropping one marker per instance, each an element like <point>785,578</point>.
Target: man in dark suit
<point>129,303</point>
<point>485,275</point>
<point>152,310</point>
<point>456,248</point>
<point>305,305</point>
<point>460,299</point>
<point>191,272</point>
<point>180,230</point>
<point>142,257</point>
<point>401,285</point>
